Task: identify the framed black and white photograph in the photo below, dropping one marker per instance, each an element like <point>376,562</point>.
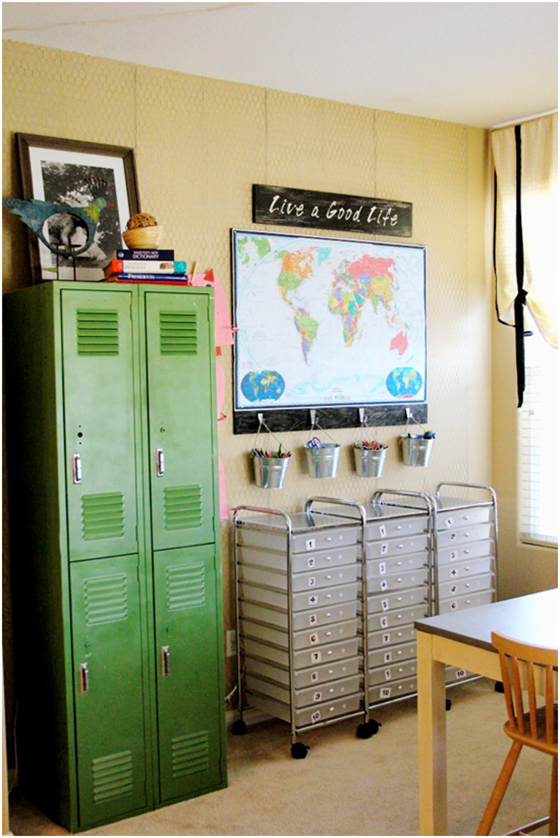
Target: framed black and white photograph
<point>98,179</point>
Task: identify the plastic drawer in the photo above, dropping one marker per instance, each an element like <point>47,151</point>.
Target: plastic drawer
<point>395,672</point>
<point>460,570</point>
<point>399,581</point>
<point>300,581</point>
<point>398,564</point>
<point>396,546</point>
<point>471,601</point>
<point>453,675</point>
<point>315,538</point>
<point>465,517</point>
<point>304,677</point>
<point>392,636</point>
<point>402,599</point>
<point>393,654</point>
<point>278,560</point>
<point>479,532</point>
<point>468,585</point>
<point>303,698</point>
<point>396,689</point>
<point>459,553</point>
<point>398,617</point>
<point>301,639</point>
<point>300,602</point>
<point>308,716</point>
<point>395,527</point>
<point>308,657</point>
<point>316,617</point>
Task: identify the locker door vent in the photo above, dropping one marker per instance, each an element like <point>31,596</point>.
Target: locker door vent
<point>97,332</point>
<point>190,754</point>
<point>105,599</point>
<point>182,507</point>
<point>112,776</point>
<point>102,516</point>
<point>185,587</point>
<point>178,333</point>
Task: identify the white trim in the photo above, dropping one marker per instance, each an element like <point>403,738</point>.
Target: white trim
<point>523,119</point>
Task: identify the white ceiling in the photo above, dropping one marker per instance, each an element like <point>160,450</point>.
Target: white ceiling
<point>479,64</point>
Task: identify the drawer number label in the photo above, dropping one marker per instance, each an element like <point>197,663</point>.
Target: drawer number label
<point>453,571</point>
<point>386,638</point>
<point>385,604</point>
<point>384,549</point>
<point>385,692</point>
<point>311,562</point>
<point>453,555</point>
<point>314,677</point>
<point>454,605</point>
<point>382,568</point>
<point>316,657</point>
<point>387,657</point>
<point>310,544</point>
<point>382,530</point>
<point>384,585</point>
<point>313,600</point>
<point>460,673</point>
<point>311,582</point>
<point>315,717</point>
<point>384,622</point>
<point>314,639</point>
<point>387,674</point>
<point>453,589</point>
<point>313,619</point>
<point>449,522</point>
<point>317,696</point>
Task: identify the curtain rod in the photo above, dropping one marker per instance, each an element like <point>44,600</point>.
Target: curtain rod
<point>523,119</point>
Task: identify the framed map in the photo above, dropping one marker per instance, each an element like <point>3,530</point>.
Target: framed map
<point>328,324</point>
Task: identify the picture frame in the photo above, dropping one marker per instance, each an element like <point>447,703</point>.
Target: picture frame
<point>329,332</point>
<point>74,172</point>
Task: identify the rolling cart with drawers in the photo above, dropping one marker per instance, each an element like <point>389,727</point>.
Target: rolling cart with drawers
<point>298,624</point>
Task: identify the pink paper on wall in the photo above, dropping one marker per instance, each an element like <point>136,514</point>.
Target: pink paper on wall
<point>220,388</point>
<point>224,329</point>
<point>223,493</point>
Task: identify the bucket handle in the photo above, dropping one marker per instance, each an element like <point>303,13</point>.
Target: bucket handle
<point>262,424</point>
<point>315,424</point>
<point>410,417</point>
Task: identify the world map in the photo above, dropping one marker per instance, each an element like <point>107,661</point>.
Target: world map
<point>326,321</point>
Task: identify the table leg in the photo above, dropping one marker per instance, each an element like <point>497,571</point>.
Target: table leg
<point>432,744</point>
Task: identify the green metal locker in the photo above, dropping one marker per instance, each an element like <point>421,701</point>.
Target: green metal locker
<point>112,493</point>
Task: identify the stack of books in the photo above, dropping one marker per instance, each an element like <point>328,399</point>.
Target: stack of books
<point>146,266</point>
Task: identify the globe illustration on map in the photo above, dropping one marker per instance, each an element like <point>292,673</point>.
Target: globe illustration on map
<point>404,382</point>
<point>260,386</point>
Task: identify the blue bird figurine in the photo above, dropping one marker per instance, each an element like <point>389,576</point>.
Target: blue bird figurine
<point>55,224</point>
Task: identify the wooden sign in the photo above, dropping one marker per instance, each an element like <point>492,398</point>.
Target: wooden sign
<point>326,210</point>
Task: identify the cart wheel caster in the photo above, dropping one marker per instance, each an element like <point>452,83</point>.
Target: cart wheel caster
<point>239,728</point>
<point>448,704</point>
<point>367,729</point>
<point>299,750</point>
<point>499,687</point>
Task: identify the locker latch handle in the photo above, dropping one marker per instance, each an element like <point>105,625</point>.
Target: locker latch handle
<point>160,462</point>
<point>77,468</point>
<point>84,678</point>
<point>165,661</point>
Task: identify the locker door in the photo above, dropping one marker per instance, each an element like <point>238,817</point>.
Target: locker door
<point>188,692</point>
<point>180,415</point>
<point>108,688</point>
<point>99,423</point>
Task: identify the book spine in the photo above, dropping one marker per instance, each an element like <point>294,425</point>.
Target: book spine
<point>145,255</point>
<point>119,266</point>
<point>169,280</point>
<point>120,275</point>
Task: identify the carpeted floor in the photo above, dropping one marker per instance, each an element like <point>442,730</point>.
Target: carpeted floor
<point>347,786</point>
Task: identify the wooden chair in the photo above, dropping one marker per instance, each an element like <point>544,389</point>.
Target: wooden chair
<point>530,669</point>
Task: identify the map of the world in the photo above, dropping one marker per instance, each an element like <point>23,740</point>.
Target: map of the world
<point>327,322</point>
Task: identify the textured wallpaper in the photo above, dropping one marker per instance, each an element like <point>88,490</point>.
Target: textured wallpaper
<point>199,145</point>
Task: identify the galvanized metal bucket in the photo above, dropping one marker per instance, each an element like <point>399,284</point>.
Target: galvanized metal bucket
<point>416,452</point>
<point>323,462</point>
<point>369,461</point>
<point>270,472</point>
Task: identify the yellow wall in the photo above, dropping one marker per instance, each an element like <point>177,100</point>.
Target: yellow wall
<point>200,144</point>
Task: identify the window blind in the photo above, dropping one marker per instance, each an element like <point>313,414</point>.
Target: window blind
<point>538,446</point>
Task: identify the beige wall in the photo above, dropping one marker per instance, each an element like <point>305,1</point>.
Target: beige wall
<point>199,146</point>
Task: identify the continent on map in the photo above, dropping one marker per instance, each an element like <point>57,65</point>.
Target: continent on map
<point>261,245</point>
<point>400,343</point>
<point>258,386</point>
<point>404,382</point>
<point>297,266</point>
<point>366,279</point>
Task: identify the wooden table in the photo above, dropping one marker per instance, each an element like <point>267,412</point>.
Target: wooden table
<point>462,639</point>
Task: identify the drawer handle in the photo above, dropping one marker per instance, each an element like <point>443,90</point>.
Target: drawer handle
<point>328,539</point>
<point>84,678</point>
<point>76,468</point>
<point>467,585</point>
<point>331,671</point>
<point>466,552</point>
<point>400,546</point>
<point>328,614</point>
<point>328,596</point>
<point>399,580</point>
<point>328,577</point>
<point>465,517</point>
<point>399,599</point>
<point>465,535</point>
<point>329,633</point>
<point>328,558</point>
<point>467,567</point>
<point>398,527</point>
<point>398,564</point>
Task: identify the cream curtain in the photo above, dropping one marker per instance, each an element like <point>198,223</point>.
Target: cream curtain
<point>526,228</point>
